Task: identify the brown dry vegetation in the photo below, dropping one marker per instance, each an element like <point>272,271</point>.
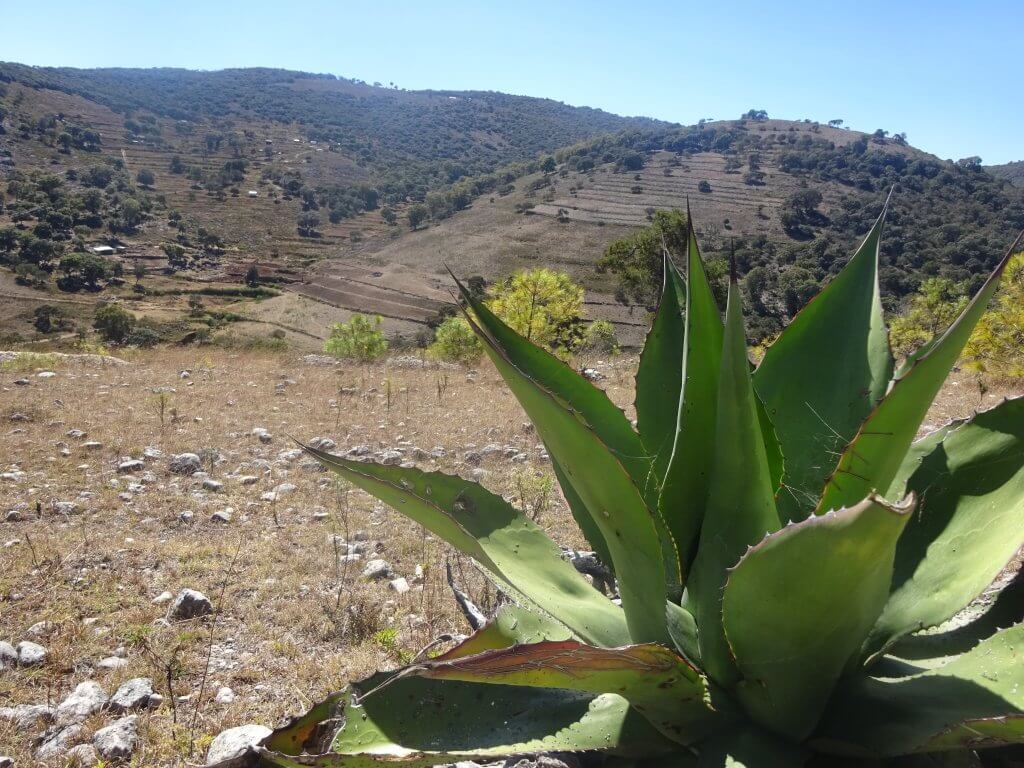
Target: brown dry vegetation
<point>292,622</point>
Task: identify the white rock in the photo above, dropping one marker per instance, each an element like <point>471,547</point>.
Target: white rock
<point>224,695</point>
<point>400,585</point>
<point>133,694</point>
<point>163,597</point>
<point>377,570</point>
<point>82,756</point>
<point>27,716</point>
<point>30,654</point>
<point>210,484</point>
<point>235,742</point>
<point>56,741</point>
<point>189,604</point>
<point>132,465</point>
<point>112,662</point>
<point>119,739</point>
<point>185,463</point>
<point>87,698</point>
<point>8,655</point>
<point>46,374</point>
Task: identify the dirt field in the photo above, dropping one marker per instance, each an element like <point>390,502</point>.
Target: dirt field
<point>93,546</point>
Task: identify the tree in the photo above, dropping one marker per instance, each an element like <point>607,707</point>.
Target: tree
<point>417,215</point>
<point>359,339</point>
<point>548,164</point>
<point>931,311</point>
<point>308,224</point>
<point>177,166</point>
<point>704,186</point>
<point>388,215</point>
<point>175,255</point>
<point>835,123</point>
<point>49,318</point>
<point>997,345</point>
<point>252,276</point>
<point>113,322</point>
<point>540,304</point>
<point>145,177</point>
<point>131,213</point>
<point>455,341</point>
<point>755,114</point>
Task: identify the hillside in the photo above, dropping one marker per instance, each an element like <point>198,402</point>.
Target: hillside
<point>1012,172</point>
<point>194,178</point>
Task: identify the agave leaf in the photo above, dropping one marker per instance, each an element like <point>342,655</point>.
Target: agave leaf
<point>772,447</point>
<point>682,628</point>
<point>977,699</point>
<point>874,456</point>
<point>970,524</point>
<point>515,552</point>
<point>593,467</point>
<point>962,633</point>
<point>749,747</point>
<point>824,374</point>
<point>584,519</point>
<point>740,508</point>
<point>677,388</point>
<point>511,625</point>
<point>659,684</point>
<point>445,716</point>
<point>828,579</point>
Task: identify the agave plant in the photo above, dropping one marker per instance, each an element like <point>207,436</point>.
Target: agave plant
<point>788,558</point>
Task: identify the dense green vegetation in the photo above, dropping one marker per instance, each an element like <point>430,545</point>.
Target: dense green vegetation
<point>408,141</point>
<point>965,216</point>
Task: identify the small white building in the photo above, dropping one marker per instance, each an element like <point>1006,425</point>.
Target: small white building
<point>254,193</point>
<point>103,250</point>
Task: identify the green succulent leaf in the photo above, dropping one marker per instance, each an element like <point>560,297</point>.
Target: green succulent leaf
<point>659,684</point>
<point>975,700</point>
<point>593,466</point>
<point>677,390</point>
<point>510,626</point>
<point>584,519</point>
<point>874,457</point>
<point>824,374</point>
<point>515,552</point>
<point>969,526</point>
<point>828,579</point>
<point>1003,608</point>
<point>740,504</point>
<point>445,716</point>
<point>749,747</point>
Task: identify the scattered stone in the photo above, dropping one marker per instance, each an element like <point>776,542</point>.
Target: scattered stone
<point>21,382</point>
<point>248,479</point>
<point>377,570</point>
<point>82,756</point>
<point>30,654</point>
<point>478,474</point>
<point>65,507</point>
<point>13,477</point>
<point>279,491</point>
<point>6,762</point>
<point>359,450</point>
<point>209,484</point>
<point>400,585</point>
<point>77,434</point>
<point>27,716</point>
<point>323,443</point>
<point>119,739</point>
<point>390,457</point>
<point>13,516</point>
<point>592,374</point>
<point>132,465</point>
<point>149,453</point>
<point>87,698</point>
<point>112,662</point>
<point>320,514</point>
<point>222,516</point>
<point>262,435</point>
<point>8,655</point>
<point>189,604</point>
<point>472,457</point>
<point>45,375</point>
<point>41,628</point>
<point>56,741</point>
<point>224,695</point>
<point>163,597</point>
<point>235,742</point>
<point>92,445</point>
<point>187,516</point>
<point>20,417</point>
<point>133,694</point>
<point>185,463</point>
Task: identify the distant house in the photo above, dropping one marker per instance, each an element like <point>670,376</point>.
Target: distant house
<point>103,250</point>
<point>254,193</point>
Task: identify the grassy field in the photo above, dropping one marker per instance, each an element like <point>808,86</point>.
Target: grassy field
<point>293,621</point>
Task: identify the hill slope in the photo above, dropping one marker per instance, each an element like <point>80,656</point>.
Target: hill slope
<point>1012,172</point>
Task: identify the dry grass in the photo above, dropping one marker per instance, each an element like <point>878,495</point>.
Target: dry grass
<point>293,623</point>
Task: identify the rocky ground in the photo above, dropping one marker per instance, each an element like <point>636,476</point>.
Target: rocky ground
<point>174,567</point>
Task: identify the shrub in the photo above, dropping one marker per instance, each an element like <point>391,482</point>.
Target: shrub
<point>930,311</point>
<point>997,344</point>
<point>49,319</point>
<point>455,342</point>
<point>814,539</point>
<point>143,336</point>
<point>113,322</point>
<point>704,185</point>
<point>540,304</point>
<point>599,338</point>
<point>358,339</point>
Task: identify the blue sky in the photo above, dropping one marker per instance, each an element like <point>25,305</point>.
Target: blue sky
<point>951,75</point>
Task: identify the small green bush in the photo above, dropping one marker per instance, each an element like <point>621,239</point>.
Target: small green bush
<point>113,322</point>
<point>455,342</point>
<point>358,339</point>
<point>599,338</point>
